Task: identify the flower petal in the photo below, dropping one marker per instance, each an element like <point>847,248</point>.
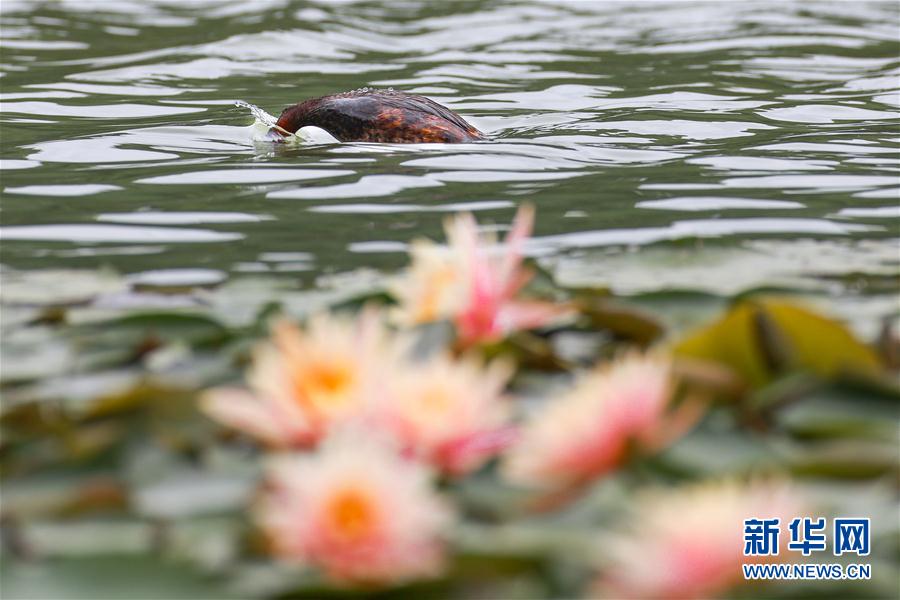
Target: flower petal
<point>246,412</point>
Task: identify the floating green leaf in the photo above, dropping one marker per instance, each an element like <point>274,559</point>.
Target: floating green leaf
<point>763,338</point>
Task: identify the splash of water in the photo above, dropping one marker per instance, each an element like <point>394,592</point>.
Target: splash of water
<point>261,115</point>
<point>260,131</point>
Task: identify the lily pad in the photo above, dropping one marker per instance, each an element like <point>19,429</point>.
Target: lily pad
<point>58,287</point>
<point>112,577</point>
<point>762,338</point>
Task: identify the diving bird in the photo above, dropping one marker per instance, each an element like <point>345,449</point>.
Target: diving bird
<point>370,115</point>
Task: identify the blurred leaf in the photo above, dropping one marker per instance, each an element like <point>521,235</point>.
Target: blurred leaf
<point>487,497</point>
<point>271,579</point>
<point>15,316</point>
<point>680,310</point>
<point>80,393</point>
<point>32,353</point>
<point>375,297</point>
<point>783,391</point>
<point>192,492</point>
<point>158,328</point>
<point>112,577</point>
<point>844,459</point>
<point>62,495</point>
<point>889,345</point>
<point>432,337</point>
<point>210,543</point>
<point>731,341</point>
<point>819,344</point>
<point>762,338</point>
<point>58,287</point>
<point>525,541</point>
<point>841,414</point>
<point>529,350</point>
<point>580,347</point>
<point>718,450</point>
<point>51,539</point>
<point>623,321</point>
<point>709,379</point>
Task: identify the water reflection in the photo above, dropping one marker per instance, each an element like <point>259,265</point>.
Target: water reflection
<point>86,189</point>
<point>118,234</point>
<point>180,218</point>
<point>701,228</point>
<point>98,111</point>
<point>244,175</point>
<point>701,203</point>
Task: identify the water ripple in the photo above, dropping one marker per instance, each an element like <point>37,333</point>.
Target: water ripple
<point>774,123</point>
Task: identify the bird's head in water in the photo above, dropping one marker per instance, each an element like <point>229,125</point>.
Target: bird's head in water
<point>290,120</point>
<point>277,133</point>
<point>296,120</point>
<point>282,127</point>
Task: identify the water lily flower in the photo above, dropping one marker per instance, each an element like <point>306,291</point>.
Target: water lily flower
<point>591,430</point>
<point>473,281</point>
<point>449,411</point>
<point>689,544</point>
<point>357,510</point>
<point>432,288</point>
<point>303,381</point>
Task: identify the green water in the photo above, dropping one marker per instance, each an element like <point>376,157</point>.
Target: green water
<point>760,140</point>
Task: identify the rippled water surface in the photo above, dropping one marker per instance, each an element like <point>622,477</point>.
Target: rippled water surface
<point>713,146</point>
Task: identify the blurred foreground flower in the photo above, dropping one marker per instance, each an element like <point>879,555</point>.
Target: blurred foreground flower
<point>591,429</point>
<point>689,544</point>
<point>445,410</point>
<point>450,412</point>
<point>357,510</point>
<point>473,282</point>
<point>304,381</point>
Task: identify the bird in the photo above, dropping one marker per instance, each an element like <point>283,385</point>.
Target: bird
<point>373,115</point>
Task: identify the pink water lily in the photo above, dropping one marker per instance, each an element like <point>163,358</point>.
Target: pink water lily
<point>591,429</point>
<point>357,510</point>
<point>304,381</point>
<point>474,282</point>
<point>688,544</point>
<point>449,411</point>
<point>446,410</point>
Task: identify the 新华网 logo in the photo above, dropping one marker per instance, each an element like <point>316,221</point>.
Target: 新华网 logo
<point>807,535</point>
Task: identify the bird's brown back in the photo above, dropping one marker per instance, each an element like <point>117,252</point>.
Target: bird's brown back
<point>368,115</point>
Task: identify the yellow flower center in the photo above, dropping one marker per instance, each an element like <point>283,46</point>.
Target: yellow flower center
<point>351,513</point>
<point>435,400</point>
<point>435,293</point>
<point>326,386</point>
<point>429,407</point>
